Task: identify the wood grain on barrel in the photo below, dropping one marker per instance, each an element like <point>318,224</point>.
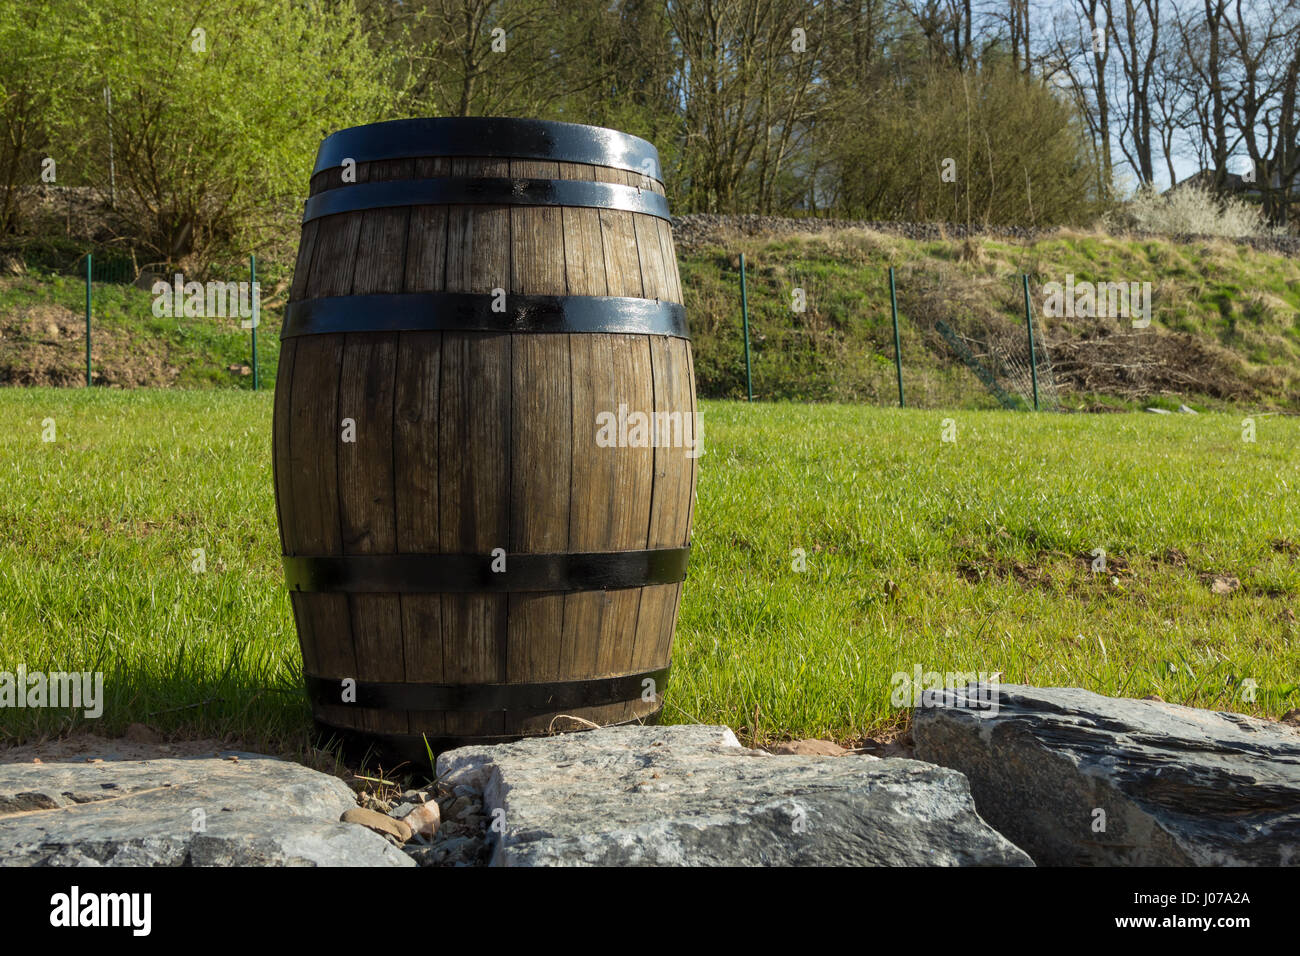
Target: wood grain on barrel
<point>366,513</point>
<point>311,495</point>
<point>673,278</point>
<point>474,497</point>
<point>416,472</point>
<point>584,247</point>
<point>474,439</point>
<point>536,238</point>
<point>669,507</point>
<point>614,515</point>
<point>302,268</point>
<point>468,442</point>
<point>541,464</point>
<point>280,432</point>
<point>542,452</point>
<point>478,237</point>
<point>426,238</point>
<point>334,253</point>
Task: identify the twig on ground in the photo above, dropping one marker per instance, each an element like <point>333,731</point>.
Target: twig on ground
<point>582,720</point>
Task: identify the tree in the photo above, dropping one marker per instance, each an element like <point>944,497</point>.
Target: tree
<point>1171,109</point>
<point>980,145</point>
<point>1265,44</point>
<point>42,65</point>
<point>1137,36</point>
<point>218,108</point>
<point>745,74</point>
<point>1080,52</point>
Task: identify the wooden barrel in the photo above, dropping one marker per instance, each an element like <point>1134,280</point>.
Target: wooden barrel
<point>485,433</point>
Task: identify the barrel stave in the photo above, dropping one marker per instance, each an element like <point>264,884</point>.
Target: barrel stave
<point>417,469</point>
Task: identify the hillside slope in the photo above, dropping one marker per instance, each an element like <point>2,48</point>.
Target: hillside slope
<point>1224,330</point>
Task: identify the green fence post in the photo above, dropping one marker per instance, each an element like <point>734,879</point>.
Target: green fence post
<point>1029,324</point>
<point>898,349</point>
<point>252,287</point>
<point>88,264</point>
<point>744,309</point>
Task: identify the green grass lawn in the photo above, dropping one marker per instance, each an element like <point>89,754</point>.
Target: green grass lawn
<point>957,556</point>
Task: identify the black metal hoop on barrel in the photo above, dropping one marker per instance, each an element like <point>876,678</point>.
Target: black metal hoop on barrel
<point>521,698</point>
<point>490,191</point>
<point>490,138</point>
<point>485,573</point>
<point>475,312</point>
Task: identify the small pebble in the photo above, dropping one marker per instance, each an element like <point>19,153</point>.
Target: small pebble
<point>423,820</point>
<point>458,806</point>
<point>469,810</point>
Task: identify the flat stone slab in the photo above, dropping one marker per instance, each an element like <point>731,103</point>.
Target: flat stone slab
<point>691,795</point>
<point>252,810</point>
<point>1073,777</point>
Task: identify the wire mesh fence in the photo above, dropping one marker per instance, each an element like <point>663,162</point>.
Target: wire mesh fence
<point>122,292</point>
<point>102,317</point>
<point>1010,359</point>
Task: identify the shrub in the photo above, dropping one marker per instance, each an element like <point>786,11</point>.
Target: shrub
<point>1192,211</point>
<point>218,108</point>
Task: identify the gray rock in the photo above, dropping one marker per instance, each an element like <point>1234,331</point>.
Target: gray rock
<point>470,812</point>
<point>456,807</point>
<point>199,811</point>
<point>1177,785</point>
<point>808,748</point>
<point>459,849</point>
<point>693,796</point>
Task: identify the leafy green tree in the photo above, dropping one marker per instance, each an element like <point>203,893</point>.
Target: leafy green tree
<point>982,146</point>
<point>218,108</point>
<point>41,61</point>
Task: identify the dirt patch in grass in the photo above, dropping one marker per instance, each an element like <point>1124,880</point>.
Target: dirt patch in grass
<point>976,565</point>
<point>45,344</point>
<point>1087,356</point>
<point>992,566</point>
<point>1171,557</point>
<point>1135,364</point>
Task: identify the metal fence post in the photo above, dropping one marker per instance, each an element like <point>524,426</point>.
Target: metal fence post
<point>252,290</point>
<point>112,168</point>
<point>88,281</point>
<point>744,308</point>
<point>898,349</point>
<point>1029,324</point>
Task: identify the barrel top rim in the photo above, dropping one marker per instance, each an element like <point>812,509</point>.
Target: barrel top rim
<point>472,136</point>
